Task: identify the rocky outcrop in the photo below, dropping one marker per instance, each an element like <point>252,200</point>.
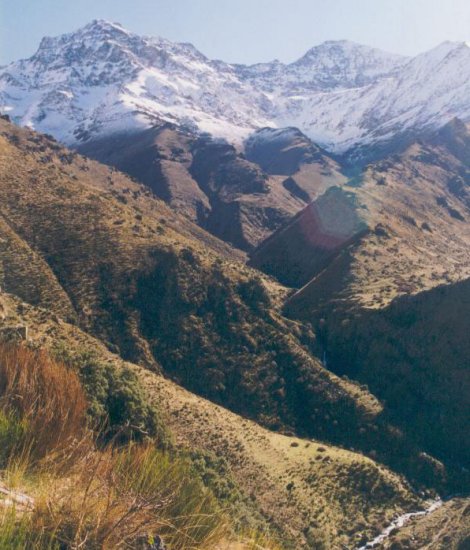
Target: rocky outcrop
<point>13,499</point>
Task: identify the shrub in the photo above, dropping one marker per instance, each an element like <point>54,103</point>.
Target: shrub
<point>258,540</point>
<point>118,404</point>
<point>254,294</point>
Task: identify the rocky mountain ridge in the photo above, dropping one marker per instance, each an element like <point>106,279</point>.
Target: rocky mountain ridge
<point>102,79</point>
<point>397,228</point>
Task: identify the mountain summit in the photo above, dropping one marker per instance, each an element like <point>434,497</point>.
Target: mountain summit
<point>103,79</point>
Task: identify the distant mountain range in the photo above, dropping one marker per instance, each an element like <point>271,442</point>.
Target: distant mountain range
<point>288,244</point>
<point>102,80</point>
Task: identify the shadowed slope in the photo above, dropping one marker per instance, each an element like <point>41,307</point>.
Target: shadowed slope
<point>415,208</point>
<point>309,492</point>
<point>414,356</point>
<point>240,199</point>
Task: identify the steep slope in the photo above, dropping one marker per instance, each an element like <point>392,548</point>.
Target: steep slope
<point>103,80</point>
<point>222,190</point>
<point>151,285</point>
<point>398,228</point>
<point>311,494</point>
<point>310,241</point>
<point>414,356</point>
<point>362,256</point>
<point>24,273</point>
<point>166,294</point>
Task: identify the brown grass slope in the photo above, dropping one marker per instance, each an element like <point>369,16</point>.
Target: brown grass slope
<point>413,351</point>
<point>358,251</point>
<point>312,494</point>
<point>25,273</point>
<point>162,292</point>
<point>241,199</point>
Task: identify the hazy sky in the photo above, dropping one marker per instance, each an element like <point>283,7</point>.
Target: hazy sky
<point>245,31</point>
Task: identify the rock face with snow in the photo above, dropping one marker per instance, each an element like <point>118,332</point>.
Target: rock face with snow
<point>103,79</point>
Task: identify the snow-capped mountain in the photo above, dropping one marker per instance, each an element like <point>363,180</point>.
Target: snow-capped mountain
<point>333,64</point>
<point>103,79</point>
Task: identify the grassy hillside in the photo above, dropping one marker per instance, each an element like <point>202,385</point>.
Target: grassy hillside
<point>306,490</point>
<point>161,292</point>
<point>382,267</point>
<point>414,356</point>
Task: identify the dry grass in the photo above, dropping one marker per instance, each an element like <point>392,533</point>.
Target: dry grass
<point>311,493</point>
<point>116,497</point>
<point>113,499</point>
<point>42,401</point>
<point>85,496</point>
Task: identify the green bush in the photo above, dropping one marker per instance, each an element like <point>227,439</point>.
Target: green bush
<point>254,294</point>
<point>118,404</point>
<point>246,519</point>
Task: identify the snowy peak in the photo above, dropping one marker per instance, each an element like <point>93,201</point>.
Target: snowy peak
<point>333,64</point>
<point>99,53</point>
<point>103,79</point>
<point>447,53</point>
<point>343,63</point>
<point>446,47</point>
<point>104,53</point>
<point>105,26</point>
<point>87,41</point>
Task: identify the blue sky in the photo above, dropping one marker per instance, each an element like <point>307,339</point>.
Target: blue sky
<point>245,31</point>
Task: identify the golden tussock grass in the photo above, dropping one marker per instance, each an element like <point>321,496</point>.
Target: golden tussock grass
<point>87,496</point>
<point>42,401</point>
<point>116,497</point>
